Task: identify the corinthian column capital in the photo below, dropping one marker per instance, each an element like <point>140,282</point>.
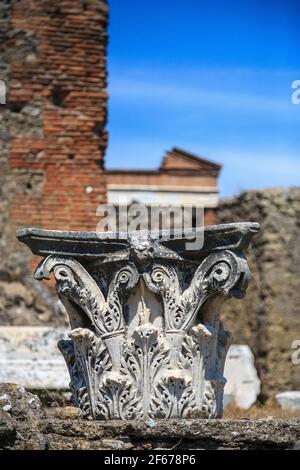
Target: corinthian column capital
<point>146,339</point>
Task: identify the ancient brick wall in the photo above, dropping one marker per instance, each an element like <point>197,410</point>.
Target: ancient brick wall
<point>268,319</point>
<point>52,129</point>
<point>58,78</point>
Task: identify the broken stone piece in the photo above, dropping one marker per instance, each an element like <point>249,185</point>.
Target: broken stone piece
<point>243,384</point>
<point>289,400</point>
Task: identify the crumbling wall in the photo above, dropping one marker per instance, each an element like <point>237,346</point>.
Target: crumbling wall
<point>268,319</point>
<point>52,135</point>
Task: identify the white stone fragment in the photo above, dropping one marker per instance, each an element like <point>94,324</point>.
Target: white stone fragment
<point>243,384</point>
<point>4,398</point>
<point>289,400</point>
<point>7,407</point>
<point>32,358</point>
<point>151,423</point>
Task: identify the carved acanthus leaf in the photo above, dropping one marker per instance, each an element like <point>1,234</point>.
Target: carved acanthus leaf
<point>220,275</point>
<point>173,396</point>
<point>163,280</point>
<point>83,298</point>
<point>77,290</point>
<point>119,398</point>
<point>93,361</point>
<point>124,280</point>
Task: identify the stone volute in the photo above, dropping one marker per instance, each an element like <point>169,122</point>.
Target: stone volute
<point>146,338</point>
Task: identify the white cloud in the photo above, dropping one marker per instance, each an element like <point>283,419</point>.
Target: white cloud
<point>211,88</point>
<point>194,109</point>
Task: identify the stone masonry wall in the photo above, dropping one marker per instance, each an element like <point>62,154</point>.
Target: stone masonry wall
<point>268,319</point>
<point>52,134</point>
<point>24,425</point>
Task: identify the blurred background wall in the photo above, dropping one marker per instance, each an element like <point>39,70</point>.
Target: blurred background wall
<point>268,319</point>
<point>52,133</point>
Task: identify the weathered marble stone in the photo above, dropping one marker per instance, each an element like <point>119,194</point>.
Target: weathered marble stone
<point>29,356</point>
<point>243,384</point>
<point>146,339</point>
<point>289,400</point>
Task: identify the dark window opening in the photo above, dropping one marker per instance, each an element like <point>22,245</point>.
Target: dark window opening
<point>58,96</point>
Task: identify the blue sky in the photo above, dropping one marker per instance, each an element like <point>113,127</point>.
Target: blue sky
<point>211,77</point>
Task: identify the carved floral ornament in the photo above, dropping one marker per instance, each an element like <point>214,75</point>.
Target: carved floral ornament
<point>146,339</point>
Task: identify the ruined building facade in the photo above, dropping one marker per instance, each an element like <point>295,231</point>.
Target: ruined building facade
<point>52,129</point>
<point>182,179</point>
<point>53,56</point>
